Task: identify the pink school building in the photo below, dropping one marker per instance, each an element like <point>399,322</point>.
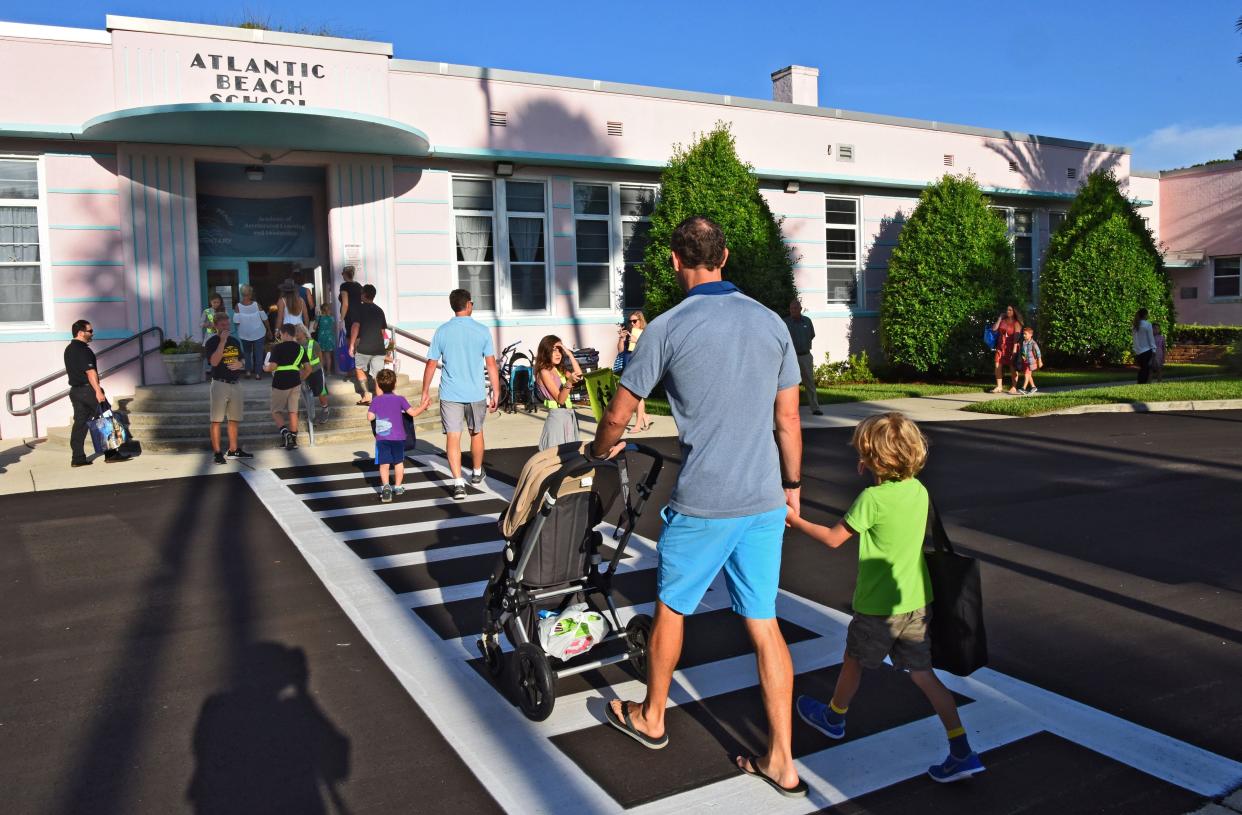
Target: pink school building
<point>147,164</point>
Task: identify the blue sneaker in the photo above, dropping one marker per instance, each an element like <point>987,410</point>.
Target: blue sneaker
<point>815,713</point>
<point>955,769</point>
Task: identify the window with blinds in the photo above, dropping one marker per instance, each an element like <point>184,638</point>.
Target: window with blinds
<point>841,248</point>
<point>21,271</point>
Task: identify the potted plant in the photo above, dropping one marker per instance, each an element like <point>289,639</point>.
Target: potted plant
<point>183,361</point>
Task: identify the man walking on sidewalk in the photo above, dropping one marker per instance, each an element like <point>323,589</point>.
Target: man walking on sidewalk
<point>465,348</point>
<point>85,393</point>
<point>720,515</point>
<point>802,332</point>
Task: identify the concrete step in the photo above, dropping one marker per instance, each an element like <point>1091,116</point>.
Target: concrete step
<point>180,398</point>
<point>348,416</point>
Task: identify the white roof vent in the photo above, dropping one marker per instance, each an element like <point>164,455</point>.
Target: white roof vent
<point>845,152</point>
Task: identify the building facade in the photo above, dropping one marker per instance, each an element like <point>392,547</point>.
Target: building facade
<point>148,164</point>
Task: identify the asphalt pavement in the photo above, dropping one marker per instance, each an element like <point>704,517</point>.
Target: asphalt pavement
<point>151,634</point>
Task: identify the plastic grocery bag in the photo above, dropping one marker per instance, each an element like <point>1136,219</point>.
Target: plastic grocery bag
<point>572,632</point>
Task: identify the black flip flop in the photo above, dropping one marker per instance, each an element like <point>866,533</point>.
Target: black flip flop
<point>627,727</point>
<point>798,791</point>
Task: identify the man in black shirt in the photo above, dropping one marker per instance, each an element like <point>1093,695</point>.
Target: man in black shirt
<point>287,364</point>
<point>350,297</point>
<point>85,393</point>
<point>224,356</point>
<point>368,342</point>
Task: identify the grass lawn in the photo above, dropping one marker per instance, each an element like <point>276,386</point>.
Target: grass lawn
<point>1216,388</point>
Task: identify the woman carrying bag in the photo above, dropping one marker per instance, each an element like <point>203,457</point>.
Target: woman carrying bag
<point>555,383</point>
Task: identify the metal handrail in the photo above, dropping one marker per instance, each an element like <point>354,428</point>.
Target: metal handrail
<point>401,332</point>
<point>32,409</point>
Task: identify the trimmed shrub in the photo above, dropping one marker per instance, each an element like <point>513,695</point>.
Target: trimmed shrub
<point>1191,334</point>
<point>709,179</point>
<point>1101,266</point>
<point>854,370</point>
<point>950,274</point>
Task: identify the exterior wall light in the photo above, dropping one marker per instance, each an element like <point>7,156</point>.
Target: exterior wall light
<point>504,168</point>
<point>792,186</point>
<point>255,172</point>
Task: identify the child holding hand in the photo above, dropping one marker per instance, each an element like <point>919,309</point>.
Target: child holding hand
<point>386,412</point>
<point>892,600</point>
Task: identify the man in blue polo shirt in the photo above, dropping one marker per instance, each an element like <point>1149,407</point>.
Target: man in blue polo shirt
<point>727,510</point>
<point>464,347</point>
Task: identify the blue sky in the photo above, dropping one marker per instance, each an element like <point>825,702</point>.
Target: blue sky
<point>1160,77</point>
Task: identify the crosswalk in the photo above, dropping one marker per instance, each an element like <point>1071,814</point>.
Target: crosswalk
<point>411,575</point>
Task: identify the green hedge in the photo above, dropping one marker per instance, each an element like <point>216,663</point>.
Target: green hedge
<point>1191,334</point>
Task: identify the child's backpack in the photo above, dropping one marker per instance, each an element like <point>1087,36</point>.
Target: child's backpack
<point>989,337</point>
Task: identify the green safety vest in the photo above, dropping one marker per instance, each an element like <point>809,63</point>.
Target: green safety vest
<point>552,404</point>
<point>312,357</point>
<point>297,363</point>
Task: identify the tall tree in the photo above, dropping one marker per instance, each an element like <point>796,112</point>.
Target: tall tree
<point>952,271</point>
<point>1101,266</point>
<point>708,178</point>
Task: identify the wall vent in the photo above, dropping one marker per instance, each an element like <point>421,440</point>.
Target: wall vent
<point>498,118</point>
<point>616,129</point>
<point>1190,293</point>
<point>948,160</point>
<point>1013,166</point>
<point>1072,172</point>
<point>845,152</point>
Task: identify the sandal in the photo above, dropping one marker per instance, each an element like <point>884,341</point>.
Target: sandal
<point>799,790</point>
<point>648,425</point>
<point>363,404</point>
<point>627,727</point>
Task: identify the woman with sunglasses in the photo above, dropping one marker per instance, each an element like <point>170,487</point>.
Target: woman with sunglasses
<point>627,340</point>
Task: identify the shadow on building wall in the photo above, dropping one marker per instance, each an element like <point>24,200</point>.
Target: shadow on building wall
<point>864,333</point>
<point>1040,171</point>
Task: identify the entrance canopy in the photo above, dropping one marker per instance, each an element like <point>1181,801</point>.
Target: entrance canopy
<point>237,124</point>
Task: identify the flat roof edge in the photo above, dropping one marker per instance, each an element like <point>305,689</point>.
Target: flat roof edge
<point>1219,167</point>
<point>115,22</point>
<point>31,31</point>
<point>578,83</point>
<point>1144,173</point>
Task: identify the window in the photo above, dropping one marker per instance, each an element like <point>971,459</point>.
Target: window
<point>1023,250</point>
<point>1055,219</point>
<point>528,266</point>
<point>636,206</point>
<point>841,248</point>
<point>1226,277</point>
<point>592,228</point>
<point>21,269</point>
<point>476,253</point>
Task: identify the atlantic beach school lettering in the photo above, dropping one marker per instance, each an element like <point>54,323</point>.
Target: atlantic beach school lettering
<point>268,81</point>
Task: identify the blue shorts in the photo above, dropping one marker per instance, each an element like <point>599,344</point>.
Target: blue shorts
<point>389,452</point>
<point>693,550</point>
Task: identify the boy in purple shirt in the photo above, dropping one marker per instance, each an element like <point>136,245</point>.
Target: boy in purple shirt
<point>386,412</point>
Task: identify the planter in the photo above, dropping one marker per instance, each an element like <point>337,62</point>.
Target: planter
<point>183,369</point>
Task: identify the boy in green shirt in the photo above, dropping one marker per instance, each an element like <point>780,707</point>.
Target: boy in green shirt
<point>892,600</point>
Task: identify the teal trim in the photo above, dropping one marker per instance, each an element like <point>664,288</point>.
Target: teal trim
<point>424,263</point>
<point>81,191</point>
<point>408,200</point>
<point>424,294</point>
<point>88,299</point>
<point>565,292</point>
<point>63,336</point>
<point>562,206</point>
<point>562,234</point>
<point>422,231</point>
<point>409,168</point>
<point>101,227</point>
<point>35,131</point>
<point>549,159</point>
<point>88,263</point>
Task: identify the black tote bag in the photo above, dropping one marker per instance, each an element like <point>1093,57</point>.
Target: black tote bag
<point>959,642</point>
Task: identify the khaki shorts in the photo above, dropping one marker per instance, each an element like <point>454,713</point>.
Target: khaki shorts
<point>458,416</point>
<point>903,636</point>
<point>227,401</point>
<point>286,401</point>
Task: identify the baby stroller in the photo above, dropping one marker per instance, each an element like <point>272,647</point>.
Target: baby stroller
<point>552,559</point>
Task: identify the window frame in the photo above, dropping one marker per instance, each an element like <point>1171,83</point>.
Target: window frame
<point>1227,298</point>
<point>1037,253</point>
<point>502,229</point>
<point>619,231</point>
<point>831,264</point>
<point>614,238</point>
<point>39,204</point>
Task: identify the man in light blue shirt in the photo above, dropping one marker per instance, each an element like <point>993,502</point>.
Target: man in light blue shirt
<point>461,348</point>
<point>727,511</point>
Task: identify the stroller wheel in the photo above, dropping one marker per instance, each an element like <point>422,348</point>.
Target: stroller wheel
<point>493,657</point>
<point>637,634</point>
<point>535,684</point>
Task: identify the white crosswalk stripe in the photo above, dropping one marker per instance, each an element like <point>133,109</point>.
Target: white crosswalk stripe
<point>522,768</point>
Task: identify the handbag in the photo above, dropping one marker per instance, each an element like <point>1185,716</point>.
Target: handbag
<point>989,337</point>
<point>959,642</point>
<point>344,362</point>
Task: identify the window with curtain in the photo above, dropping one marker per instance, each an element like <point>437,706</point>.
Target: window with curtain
<point>841,248</point>
<point>473,225</point>
<point>592,225</point>
<point>637,204</point>
<point>21,279</point>
<point>528,268</point>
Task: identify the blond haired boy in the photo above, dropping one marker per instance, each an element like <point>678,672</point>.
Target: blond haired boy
<point>892,599</point>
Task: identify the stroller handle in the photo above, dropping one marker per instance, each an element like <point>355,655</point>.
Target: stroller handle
<point>551,485</point>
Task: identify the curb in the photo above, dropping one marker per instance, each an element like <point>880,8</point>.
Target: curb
<point>1149,407</point>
